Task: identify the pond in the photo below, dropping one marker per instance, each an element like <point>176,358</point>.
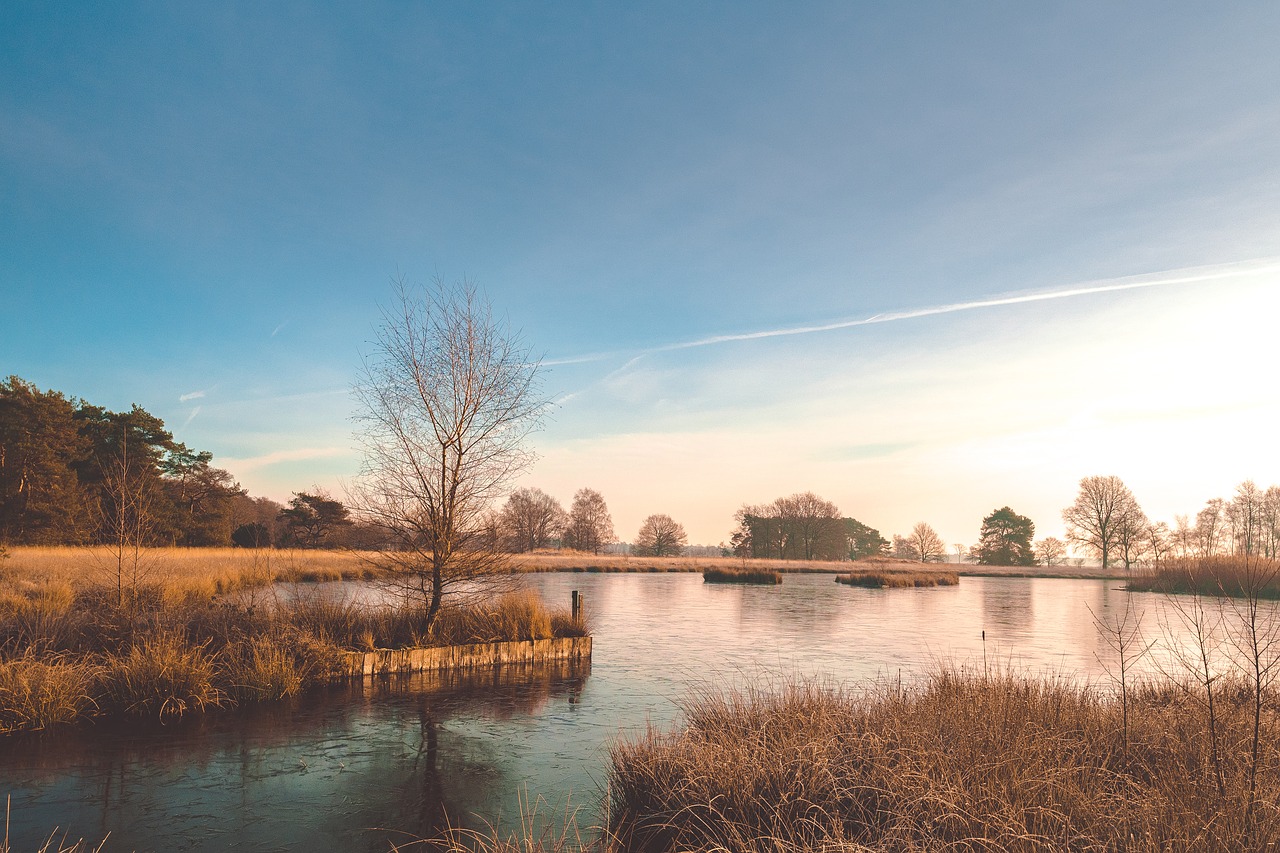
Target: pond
<point>364,765</point>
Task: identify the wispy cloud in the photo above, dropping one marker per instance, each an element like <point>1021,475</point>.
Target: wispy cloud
<point>253,463</point>
<point>277,329</point>
<point>191,395</point>
<point>1169,278</point>
<point>191,416</point>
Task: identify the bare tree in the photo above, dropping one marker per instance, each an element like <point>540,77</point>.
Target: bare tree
<point>1202,658</point>
<point>448,397</point>
<point>1255,637</point>
<point>1244,516</point>
<point>1122,632</point>
<point>1184,537</point>
<point>1159,542</point>
<point>127,519</point>
<point>923,544</point>
<point>1132,534</point>
<point>660,536</point>
<point>590,526</point>
<point>1210,526</point>
<point>1271,523</point>
<point>811,526</point>
<point>531,519</point>
<point>1051,550</point>
<point>1104,506</point>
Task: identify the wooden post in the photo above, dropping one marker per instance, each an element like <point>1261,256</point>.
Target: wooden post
<point>576,606</point>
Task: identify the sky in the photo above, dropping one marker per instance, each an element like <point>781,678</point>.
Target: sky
<point>925,260</point>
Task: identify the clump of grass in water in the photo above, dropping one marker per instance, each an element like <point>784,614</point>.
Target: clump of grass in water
<point>750,576</point>
<point>885,579</point>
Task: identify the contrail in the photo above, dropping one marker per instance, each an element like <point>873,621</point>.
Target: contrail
<point>1189,275</point>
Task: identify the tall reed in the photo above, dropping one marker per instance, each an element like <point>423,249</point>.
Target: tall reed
<point>1235,576</point>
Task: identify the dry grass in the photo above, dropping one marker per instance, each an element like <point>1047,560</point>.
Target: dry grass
<point>898,579</point>
<point>963,762</point>
<point>181,571</point>
<point>751,576</point>
<point>162,676</point>
<point>1214,576</point>
<point>40,692</point>
<point>69,653</point>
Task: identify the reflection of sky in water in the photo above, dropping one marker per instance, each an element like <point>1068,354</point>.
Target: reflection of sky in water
<point>322,773</point>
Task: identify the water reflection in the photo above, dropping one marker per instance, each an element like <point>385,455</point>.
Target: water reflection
<point>326,771</point>
<point>1008,613</point>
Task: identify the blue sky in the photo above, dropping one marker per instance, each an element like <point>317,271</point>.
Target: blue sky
<point>204,206</point>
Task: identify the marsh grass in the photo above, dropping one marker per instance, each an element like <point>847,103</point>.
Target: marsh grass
<point>883,578</point>
<point>1234,577</point>
<point>748,576</point>
<point>67,652</point>
<point>964,761</point>
<point>186,571</point>
<point>41,692</point>
<point>161,676</point>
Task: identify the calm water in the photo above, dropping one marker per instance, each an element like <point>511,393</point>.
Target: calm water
<point>354,768</point>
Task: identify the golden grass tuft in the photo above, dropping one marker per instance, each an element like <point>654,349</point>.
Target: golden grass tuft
<point>262,669</point>
<point>891,579</point>
<point>40,692</point>
<point>515,616</point>
<point>747,576</point>
<point>162,676</point>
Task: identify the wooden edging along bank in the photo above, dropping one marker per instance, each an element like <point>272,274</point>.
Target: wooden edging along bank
<point>477,656</point>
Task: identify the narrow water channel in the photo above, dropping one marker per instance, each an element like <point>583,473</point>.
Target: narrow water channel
<point>357,767</point>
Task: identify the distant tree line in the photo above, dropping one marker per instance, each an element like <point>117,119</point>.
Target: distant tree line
<point>802,526</point>
<point>1106,522</point>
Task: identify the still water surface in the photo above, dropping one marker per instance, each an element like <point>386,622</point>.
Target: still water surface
<point>358,767</point>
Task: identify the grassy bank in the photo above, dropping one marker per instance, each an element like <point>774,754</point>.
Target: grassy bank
<point>884,578</point>
<point>1235,577</point>
<point>68,653</point>
<point>182,571</point>
<point>749,576</point>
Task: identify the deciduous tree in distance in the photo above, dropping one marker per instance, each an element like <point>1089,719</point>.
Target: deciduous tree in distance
<point>530,519</point>
<point>1103,506</point>
<point>922,545</point>
<point>660,536</point>
<point>590,525</point>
